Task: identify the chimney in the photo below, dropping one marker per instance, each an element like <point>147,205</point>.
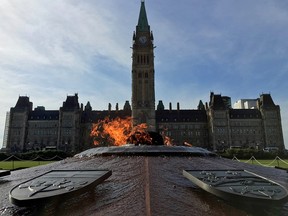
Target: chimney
<point>178,106</point>
<point>109,107</point>
<point>170,106</point>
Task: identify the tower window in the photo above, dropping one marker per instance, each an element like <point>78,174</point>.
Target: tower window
<point>140,75</point>
<point>146,75</point>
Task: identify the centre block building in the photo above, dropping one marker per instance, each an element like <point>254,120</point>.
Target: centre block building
<point>214,125</point>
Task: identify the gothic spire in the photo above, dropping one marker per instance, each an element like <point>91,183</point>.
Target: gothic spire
<point>143,21</point>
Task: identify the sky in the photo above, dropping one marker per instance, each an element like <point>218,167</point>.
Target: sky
<point>51,49</point>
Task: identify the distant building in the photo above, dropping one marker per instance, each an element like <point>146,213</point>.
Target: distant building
<point>214,125</point>
<point>246,104</point>
<point>255,128</point>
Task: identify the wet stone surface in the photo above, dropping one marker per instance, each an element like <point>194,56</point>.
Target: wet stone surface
<point>140,185</point>
<point>4,172</point>
<point>146,150</point>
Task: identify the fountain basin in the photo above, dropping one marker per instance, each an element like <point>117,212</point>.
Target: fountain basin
<point>150,184</point>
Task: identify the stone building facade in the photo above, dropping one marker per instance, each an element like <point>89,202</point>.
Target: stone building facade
<point>257,128</point>
<point>214,125</point>
<point>143,73</point>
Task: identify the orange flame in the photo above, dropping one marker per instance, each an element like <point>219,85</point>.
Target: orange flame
<point>187,144</point>
<point>118,132</point>
<point>111,132</point>
<point>167,140</point>
<point>139,135</point>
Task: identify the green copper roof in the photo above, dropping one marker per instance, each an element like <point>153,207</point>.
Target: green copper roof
<point>143,21</point>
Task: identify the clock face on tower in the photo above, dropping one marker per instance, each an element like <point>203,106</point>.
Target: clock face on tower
<point>142,39</point>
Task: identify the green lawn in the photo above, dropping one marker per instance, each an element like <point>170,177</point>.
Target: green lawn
<point>270,163</point>
<point>10,165</point>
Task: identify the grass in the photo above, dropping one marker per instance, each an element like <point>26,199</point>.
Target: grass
<point>11,165</point>
<point>271,163</point>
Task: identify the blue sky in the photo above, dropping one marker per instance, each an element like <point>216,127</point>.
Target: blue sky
<point>51,49</point>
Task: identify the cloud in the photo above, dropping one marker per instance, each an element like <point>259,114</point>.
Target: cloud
<point>57,40</point>
<point>49,49</point>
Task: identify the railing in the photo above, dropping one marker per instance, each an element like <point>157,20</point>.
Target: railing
<point>38,159</point>
<point>253,159</point>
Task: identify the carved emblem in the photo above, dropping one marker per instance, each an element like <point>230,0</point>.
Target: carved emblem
<point>56,183</point>
<point>238,185</point>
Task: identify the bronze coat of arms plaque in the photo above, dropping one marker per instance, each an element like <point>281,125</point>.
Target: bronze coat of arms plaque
<point>238,186</point>
<point>56,183</point>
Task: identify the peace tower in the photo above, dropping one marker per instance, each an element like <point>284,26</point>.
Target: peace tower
<point>143,91</point>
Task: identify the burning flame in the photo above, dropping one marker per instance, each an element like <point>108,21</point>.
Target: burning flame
<point>187,144</point>
<point>167,140</point>
<point>140,135</point>
<point>119,131</point>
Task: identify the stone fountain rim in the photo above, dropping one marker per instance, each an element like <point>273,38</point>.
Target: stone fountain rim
<point>145,150</point>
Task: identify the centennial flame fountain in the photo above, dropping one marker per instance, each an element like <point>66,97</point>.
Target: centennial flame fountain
<point>145,180</point>
<point>147,172</point>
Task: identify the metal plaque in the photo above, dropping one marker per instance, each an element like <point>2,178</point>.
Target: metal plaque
<point>56,183</point>
<point>238,185</point>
